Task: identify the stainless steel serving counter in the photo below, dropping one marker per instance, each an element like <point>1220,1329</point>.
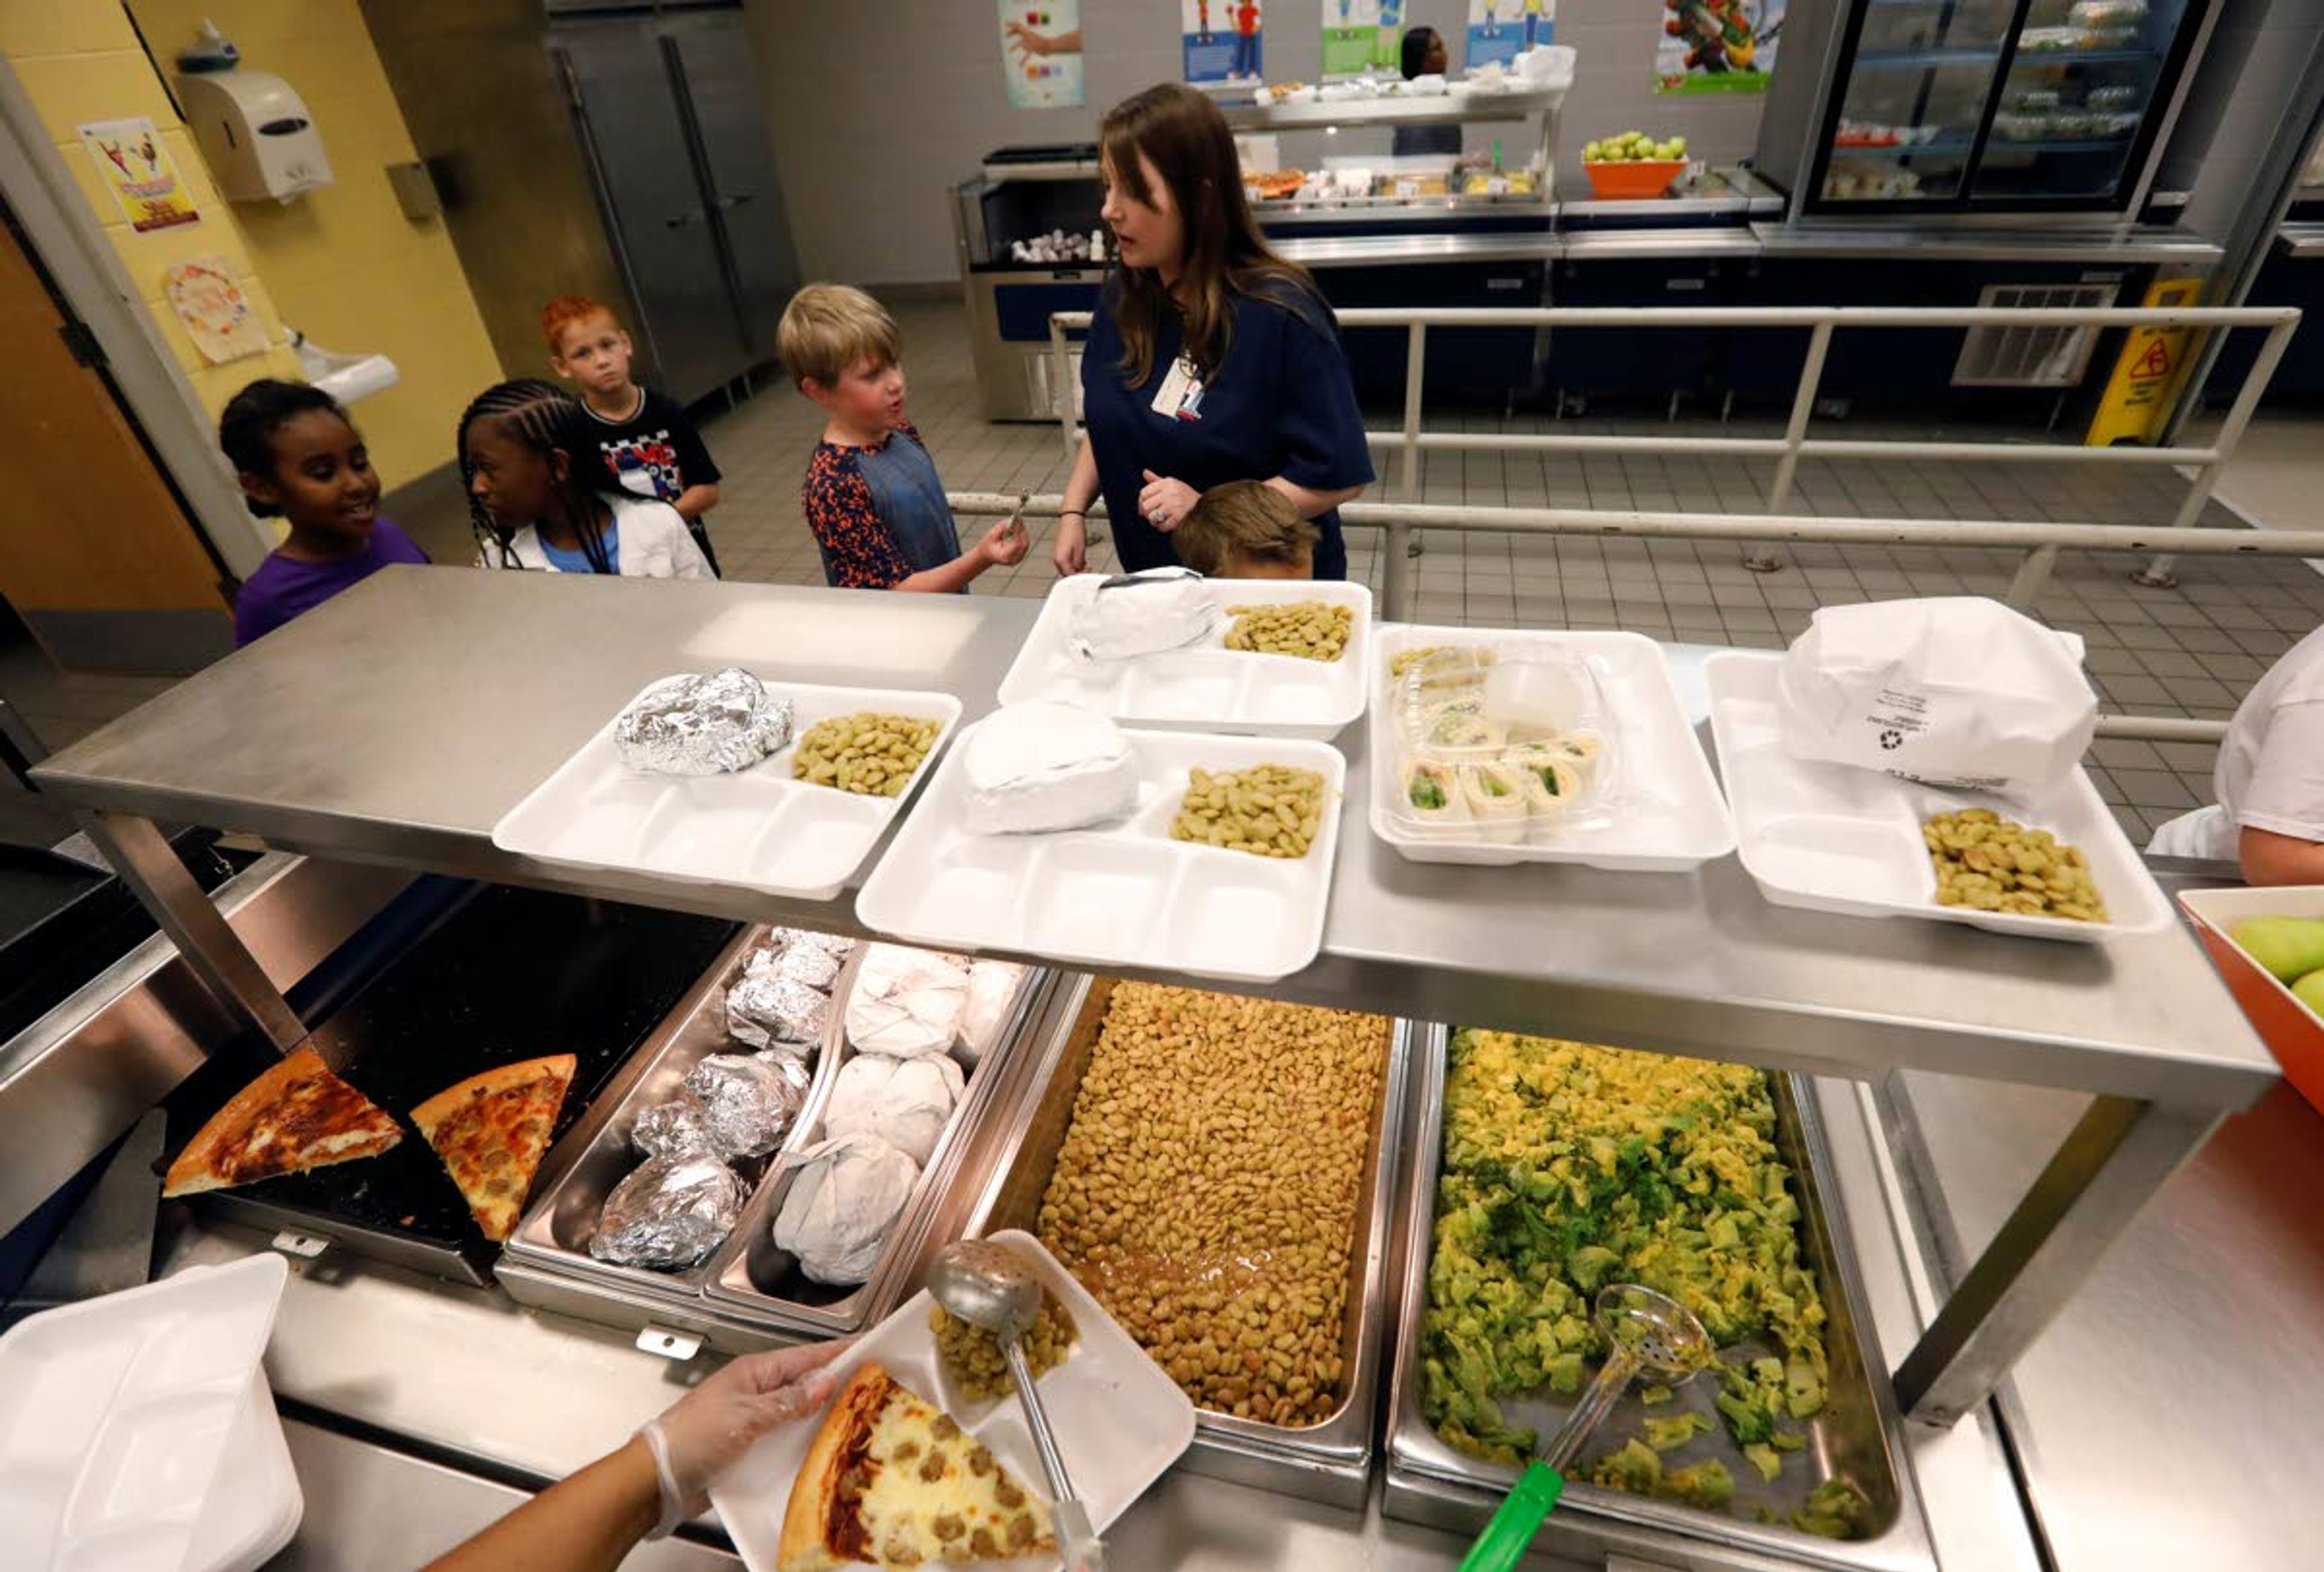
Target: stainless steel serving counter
<point>399,721</point>
<point>2141,243</point>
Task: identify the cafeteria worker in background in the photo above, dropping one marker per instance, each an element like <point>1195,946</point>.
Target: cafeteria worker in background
<point>1210,359</point>
<point>2269,780</point>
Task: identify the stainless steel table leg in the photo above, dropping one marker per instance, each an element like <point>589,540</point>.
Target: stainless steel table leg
<point>144,859</point>
<point>2118,1156</point>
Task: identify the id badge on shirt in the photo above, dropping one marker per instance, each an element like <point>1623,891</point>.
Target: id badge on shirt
<point>1180,397</point>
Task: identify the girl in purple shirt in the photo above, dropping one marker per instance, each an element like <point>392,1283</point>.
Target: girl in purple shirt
<point>301,459</point>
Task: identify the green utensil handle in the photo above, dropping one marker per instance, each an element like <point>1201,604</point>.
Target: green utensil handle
<point>1509,1535</point>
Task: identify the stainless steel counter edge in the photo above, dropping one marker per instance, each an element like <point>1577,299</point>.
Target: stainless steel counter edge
<point>1699,964</point>
<point>2141,243</point>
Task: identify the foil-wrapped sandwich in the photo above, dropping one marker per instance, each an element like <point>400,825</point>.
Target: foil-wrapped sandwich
<point>705,723</point>
<point>749,1100</point>
<point>768,1010</point>
<point>670,1213</point>
<point>847,1193</point>
<point>906,1102</point>
<point>906,1002</point>
<point>1145,613</point>
<point>674,1128</point>
<point>811,965</point>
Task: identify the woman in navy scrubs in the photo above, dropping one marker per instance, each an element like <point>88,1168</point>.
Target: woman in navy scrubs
<point>1210,359</point>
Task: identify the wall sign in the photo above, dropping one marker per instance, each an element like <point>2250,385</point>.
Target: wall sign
<point>1362,35</point>
<point>137,169</point>
<point>1500,30</point>
<point>1717,46</point>
<point>216,315</point>
<point>1041,53</point>
<point>1221,40</point>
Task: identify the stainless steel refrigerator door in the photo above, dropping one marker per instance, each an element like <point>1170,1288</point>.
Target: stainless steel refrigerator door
<point>721,86</point>
<point>633,133</point>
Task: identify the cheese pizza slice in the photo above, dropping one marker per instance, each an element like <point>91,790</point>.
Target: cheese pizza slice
<point>295,1117</point>
<point>892,1480</point>
<point>492,1131</point>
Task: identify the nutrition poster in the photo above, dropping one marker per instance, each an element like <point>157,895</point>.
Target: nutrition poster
<point>1717,46</point>
<point>1041,53</point>
<point>1362,35</point>
<point>1501,30</point>
<point>137,169</point>
<point>1221,40</point>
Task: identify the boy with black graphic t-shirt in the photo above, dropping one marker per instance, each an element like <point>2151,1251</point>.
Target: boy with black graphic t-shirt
<point>648,444</point>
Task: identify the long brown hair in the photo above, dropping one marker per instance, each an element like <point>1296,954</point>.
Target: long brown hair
<point>1188,139</point>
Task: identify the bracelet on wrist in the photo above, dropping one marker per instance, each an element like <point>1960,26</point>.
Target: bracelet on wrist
<point>1072,512</point>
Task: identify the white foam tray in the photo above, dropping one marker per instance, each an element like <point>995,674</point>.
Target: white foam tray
<point>1673,817</point>
<point>1120,1421</point>
<point>1118,895</point>
<point>756,827</point>
<point>119,1418</point>
<point>1205,686</point>
<point>1830,839</point>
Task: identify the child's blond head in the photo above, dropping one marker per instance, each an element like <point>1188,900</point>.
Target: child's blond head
<point>829,327</point>
<point>1246,530</point>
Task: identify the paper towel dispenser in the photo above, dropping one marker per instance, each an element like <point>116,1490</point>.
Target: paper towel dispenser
<point>254,133</point>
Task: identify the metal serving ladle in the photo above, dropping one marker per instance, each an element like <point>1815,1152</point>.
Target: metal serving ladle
<point>1644,1331</point>
<point>987,1285</point>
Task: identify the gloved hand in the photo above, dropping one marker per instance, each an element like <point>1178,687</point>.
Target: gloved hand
<point>707,1431</point>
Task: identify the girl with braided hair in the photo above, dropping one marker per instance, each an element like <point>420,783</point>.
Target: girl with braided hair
<point>540,498</point>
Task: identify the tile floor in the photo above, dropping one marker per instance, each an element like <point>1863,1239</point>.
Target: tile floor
<point>2190,651</point>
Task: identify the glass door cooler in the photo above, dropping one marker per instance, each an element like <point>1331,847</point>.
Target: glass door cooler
<point>1979,106</point>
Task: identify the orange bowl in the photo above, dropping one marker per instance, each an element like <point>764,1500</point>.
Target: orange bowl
<point>1616,182</point>
<point>2291,1030</point>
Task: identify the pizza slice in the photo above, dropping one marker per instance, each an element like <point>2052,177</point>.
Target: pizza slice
<point>295,1116</point>
<point>892,1480</point>
<point>492,1131</point>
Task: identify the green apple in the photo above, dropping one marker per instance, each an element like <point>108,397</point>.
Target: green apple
<point>2287,947</point>
<point>1678,147</point>
<point>2309,991</point>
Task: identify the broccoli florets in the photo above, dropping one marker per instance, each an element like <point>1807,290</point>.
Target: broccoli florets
<point>1667,1434</point>
<point>1706,1484</point>
<point>1836,1510</point>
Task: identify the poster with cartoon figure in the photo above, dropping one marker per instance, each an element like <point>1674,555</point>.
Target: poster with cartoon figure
<point>137,169</point>
<point>1221,40</point>
<point>1041,53</point>
<point>1717,46</point>
<point>1362,35</point>
<point>1501,30</point>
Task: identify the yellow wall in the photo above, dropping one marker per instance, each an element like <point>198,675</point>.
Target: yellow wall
<point>343,263</point>
<point>79,61</point>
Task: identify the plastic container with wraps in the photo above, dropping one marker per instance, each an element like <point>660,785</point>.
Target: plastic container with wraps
<point>2113,13</point>
<point>1528,747</point>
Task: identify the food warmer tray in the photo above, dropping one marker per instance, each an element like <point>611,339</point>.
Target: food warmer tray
<point>547,1265</point>
<point>1329,1462</point>
<point>547,1262</point>
<point>756,1281</point>
<point>1429,1482</point>
<point>501,976</point>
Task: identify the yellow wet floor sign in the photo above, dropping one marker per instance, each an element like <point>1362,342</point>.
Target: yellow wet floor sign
<point>2145,386</point>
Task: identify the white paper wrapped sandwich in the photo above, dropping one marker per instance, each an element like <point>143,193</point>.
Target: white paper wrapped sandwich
<point>1142,613</point>
<point>847,1194</point>
<point>1041,767</point>
<point>906,1102</point>
<point>1957,691</point>
<point>907,1002</point>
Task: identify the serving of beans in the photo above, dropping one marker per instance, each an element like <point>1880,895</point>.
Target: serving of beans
<point>1269,810</point>
<point>1991,864</point>
<point>972,1355</point>
<point>871,755</point>
<point>1310,630</point>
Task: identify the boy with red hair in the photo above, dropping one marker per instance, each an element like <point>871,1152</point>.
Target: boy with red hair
<point>648,441</point>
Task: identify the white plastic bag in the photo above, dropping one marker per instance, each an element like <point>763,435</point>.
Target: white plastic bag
<point>1958,692</point>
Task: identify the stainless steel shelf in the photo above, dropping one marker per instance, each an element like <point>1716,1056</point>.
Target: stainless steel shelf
<point>398,723</point>
<point>1467,108</point>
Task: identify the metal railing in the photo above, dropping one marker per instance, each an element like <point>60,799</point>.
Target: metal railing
<point>1787,451</point>
<point>1927,533</point>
